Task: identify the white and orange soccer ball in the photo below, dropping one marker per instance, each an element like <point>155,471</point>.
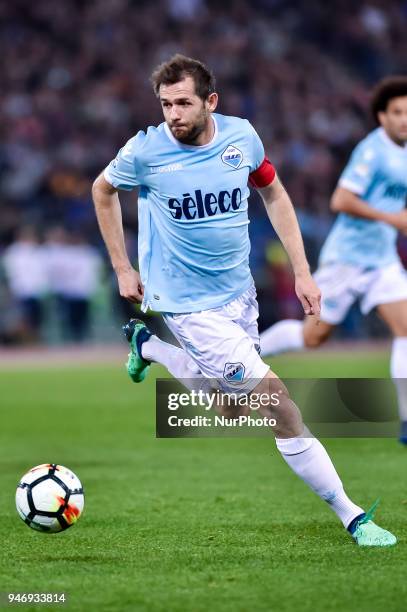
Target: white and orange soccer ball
<point>50,498</point>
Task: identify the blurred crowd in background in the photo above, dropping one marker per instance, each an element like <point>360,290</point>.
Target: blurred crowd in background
<point>75,86</point>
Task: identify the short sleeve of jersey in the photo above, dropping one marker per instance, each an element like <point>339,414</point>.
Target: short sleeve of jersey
<point>257,150</point>
<point>125,171</point>
<point>360,170</point>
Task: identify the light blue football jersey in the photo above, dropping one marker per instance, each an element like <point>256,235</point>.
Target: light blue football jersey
<point>377,173</point>
<point>193,219</point>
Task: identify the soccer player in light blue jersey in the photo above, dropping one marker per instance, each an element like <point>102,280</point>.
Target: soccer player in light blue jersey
<point>193,171</point>
<point>359,259</point>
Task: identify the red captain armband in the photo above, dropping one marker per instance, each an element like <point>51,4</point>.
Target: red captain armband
<point>264,175</point>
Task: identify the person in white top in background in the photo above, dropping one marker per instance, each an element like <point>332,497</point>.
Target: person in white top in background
<point>25,271</point>
<point>74,267</point>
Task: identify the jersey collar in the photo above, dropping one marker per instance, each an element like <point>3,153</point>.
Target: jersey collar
<point>389,141</point>
<point>193,147</point>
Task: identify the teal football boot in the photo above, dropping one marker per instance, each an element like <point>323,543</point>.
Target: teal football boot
<point>136,333</point>
<point>366,533</point>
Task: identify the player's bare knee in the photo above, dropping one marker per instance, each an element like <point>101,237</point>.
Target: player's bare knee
<point>270,384</point>
<point>230,408</point>
<point>399,329</point>
<point>314,337</point>
<point>313,341</point>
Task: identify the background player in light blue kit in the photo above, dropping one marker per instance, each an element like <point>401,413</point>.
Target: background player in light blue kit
<point>359,259</point>
<point>193,170</point>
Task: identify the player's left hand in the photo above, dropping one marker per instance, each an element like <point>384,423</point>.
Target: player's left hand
<point>308,293</point>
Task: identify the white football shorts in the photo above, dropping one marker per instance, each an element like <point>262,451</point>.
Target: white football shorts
<point>224,342</point>
<point>341,285</point>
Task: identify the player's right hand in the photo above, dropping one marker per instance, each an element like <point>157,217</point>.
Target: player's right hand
<point>398,220</point>
<point>130,285</point>
<point>309,294</point>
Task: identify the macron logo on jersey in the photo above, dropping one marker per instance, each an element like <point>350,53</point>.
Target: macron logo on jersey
<point>232,156</point>
<point>169,168</point>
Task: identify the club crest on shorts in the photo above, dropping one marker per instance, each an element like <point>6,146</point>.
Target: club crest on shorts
<point>232,156</point>
<point>233,372</point>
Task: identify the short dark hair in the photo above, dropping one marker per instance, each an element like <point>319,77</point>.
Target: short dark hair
<point>386,90</point>
<point>179,67</point>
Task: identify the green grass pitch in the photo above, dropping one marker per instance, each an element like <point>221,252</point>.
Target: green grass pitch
<point>195,524</point>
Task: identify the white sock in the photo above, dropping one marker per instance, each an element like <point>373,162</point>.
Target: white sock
<point>283,336</point>
<point>178,363</point>
<point>398,369</point>
<point>310,461</point>
<point>175,359</point>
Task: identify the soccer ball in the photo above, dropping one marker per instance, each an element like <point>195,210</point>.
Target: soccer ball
<point>49,498</point>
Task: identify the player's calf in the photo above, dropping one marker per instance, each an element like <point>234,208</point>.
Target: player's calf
<point>280,407</point>
<point>276,405</point>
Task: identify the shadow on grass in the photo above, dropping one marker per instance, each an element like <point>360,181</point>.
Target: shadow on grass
<point>94,559</point>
